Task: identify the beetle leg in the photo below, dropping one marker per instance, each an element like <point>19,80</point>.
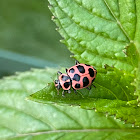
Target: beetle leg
<point>89,88</point>
<point>59,73</point>
<point>63,93</point>
<point>94,85</point>
<point>75,91</point>
<point>77,62</point>
<point>66,70</point>
<point>69,91</point>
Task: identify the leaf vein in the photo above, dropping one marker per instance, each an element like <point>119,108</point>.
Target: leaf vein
<point>86,29</point>
<point>8,128</point>
<point>67,115</point>
<point>68,37</point>
<point>9,107</point>
<point>119,23</point>
<point>108,90</point>
<point>93,13</point>
<point>74,131</point>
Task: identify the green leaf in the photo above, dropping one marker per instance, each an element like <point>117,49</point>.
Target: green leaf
<point>22,119</point>
<point>137,44</point>
<point>98,135</point>
<point>97,32</point>
<point>104,98</point>
<point>101,32</point>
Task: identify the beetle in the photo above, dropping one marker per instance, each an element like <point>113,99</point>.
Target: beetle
<point>77,77</point>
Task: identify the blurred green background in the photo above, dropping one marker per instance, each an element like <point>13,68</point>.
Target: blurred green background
<point>28,38</point>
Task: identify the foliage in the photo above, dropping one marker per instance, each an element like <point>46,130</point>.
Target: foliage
<point>24,119</point>
<point>103,33</point>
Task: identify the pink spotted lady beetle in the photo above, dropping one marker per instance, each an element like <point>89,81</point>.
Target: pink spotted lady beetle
<point>78,76</point>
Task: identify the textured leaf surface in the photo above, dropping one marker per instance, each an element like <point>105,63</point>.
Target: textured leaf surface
<point>22,119</point>
<point>84,135</point>
<point>101,32</point>
<point>97,32</point>
<point>137,43</point>
<point>104,98</point>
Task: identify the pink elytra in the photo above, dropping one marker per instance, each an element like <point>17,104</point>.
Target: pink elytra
<point>78,76</point>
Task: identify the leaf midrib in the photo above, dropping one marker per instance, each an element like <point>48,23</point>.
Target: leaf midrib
<point>118,22</point>
<point>78,130</point>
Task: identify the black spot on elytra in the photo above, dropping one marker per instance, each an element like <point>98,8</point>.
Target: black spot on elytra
<point>66,84</point>
<point>64,78</point>
<point>87,65</point>
<point>91,72</point>
<point>81,69</point>
<point>77,86</point>
<point>71,70</point>
<point>85,81</point>
<point>76,77</point>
